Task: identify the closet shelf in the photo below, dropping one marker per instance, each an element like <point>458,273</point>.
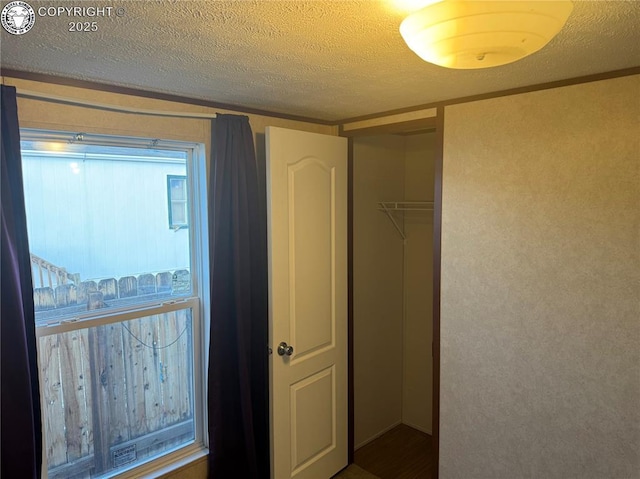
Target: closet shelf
<point>388,207</point>
<point>405,205</point>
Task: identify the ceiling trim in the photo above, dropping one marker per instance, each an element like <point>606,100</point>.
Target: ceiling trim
<point>420,125</point>
<point>512,91</point>
<point>60,80</point>
<point>92,85</point>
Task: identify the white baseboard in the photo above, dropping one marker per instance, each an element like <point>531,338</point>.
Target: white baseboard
<point>377,435</point>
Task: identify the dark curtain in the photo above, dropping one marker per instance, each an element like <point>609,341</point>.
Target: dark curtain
<point>20,402</point>
<point>238,359</point>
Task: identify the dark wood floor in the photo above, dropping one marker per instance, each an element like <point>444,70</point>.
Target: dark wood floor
<point>401,453</point>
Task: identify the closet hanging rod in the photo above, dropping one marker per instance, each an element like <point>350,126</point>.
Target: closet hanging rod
<point>388,206</point>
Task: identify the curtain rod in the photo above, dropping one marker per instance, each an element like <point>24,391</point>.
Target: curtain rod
<point>103,106</point>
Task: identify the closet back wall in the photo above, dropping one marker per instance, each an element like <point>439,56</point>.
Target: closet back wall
<point>417,390</point>
<point>378,175</point>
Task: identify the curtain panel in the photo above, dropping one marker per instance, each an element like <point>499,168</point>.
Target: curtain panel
<point>21,433</point>
<point>238,359</point>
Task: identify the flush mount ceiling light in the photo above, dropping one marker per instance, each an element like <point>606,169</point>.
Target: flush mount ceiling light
<point>479,34</point>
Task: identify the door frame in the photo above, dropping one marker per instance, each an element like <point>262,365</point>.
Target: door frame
<point>437,259</point>
<point>438,127</point>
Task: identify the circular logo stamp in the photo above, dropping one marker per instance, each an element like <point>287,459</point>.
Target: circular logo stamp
<point>18,17</point>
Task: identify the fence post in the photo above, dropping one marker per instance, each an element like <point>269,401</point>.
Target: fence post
<point>66,295</point>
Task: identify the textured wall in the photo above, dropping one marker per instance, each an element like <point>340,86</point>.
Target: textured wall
<point>377,293</point>
<point>541,285</point>
<point>418,284</point>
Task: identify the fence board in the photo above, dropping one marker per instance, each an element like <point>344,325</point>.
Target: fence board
<point>108,288</point>
<point>77,394</point>
<point>181,282</point>
<point>43,299</point>
<point>146,284</point>
<point>53,400</point>
<point>171,373</point>
<point>95,301</point>
<point>162,440</point>
<point>178,282</point>
<point>163,282</point>
<point>80,469</point>
<point>181,368</point>
<point>87,439</point>
<point>128,287</point>
<point>66,295</point>
<point>100,395</point>
<point>161,355</point>
<point>86,287</point>
<point>186,365</point>
<point>151,373</point>
<point>135,354</point>
<point>102,387</point>
<point>116,385</point>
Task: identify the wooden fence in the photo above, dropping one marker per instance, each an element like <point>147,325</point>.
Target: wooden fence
<point>90,294</point>
<point>116,393</point>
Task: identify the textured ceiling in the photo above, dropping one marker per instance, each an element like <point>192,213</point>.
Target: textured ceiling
<point>328,60</point>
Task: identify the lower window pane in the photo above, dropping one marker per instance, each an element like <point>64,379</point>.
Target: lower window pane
<point>178,213</point>
<point>117,395</point>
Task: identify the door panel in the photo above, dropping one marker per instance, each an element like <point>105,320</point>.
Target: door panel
<point>312,243</point>
<point>307,197</point>
<point>313,405</point>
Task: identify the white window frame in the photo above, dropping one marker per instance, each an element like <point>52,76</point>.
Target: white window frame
<point>173,224</point>
<point>198,300</point>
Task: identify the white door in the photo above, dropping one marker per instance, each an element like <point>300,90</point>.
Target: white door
<point>307,212</point>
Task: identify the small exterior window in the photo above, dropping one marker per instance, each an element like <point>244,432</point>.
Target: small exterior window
<point>177,194</point>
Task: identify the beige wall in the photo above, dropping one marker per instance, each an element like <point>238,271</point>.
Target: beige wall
<point>54,116</point>
<point>46,115</point>
<point>196,470</point>
<point>378,294</point>
<point>418,284</point>
<point>540,328</point>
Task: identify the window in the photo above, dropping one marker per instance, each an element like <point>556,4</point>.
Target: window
<point>119,303</point>
<point>177,194</point>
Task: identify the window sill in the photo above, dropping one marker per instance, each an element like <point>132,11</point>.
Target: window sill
<point>168,467</point>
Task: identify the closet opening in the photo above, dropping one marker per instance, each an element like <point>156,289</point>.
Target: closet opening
<point>393,178</point>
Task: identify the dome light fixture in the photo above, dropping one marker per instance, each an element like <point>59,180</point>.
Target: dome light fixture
<point>482,34</point>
